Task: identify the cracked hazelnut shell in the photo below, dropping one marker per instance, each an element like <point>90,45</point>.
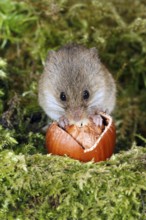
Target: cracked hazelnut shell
<point>83,143</point>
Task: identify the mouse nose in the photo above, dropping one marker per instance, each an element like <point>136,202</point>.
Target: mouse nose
<point>77,114</point>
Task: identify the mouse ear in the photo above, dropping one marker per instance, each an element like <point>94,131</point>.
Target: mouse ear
<point>50,54</point>
<point>94,51</point>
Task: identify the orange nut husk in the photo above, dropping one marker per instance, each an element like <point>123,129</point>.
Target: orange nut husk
<point>85,144</point>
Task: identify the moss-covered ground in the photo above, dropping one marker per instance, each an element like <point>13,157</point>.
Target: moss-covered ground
<point>34,185</point>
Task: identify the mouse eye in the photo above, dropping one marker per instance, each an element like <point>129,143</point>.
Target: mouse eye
<point>86,94</point>
<point>62,96</point>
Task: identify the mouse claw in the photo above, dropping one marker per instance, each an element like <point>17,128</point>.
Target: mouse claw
<point>63,121</point>
<point>97,119</point>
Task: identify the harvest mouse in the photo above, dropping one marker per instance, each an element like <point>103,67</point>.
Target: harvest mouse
<point>76,86</point>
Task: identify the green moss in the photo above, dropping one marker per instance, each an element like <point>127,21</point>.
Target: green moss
<point>53,187</point>
<point>36,186</point>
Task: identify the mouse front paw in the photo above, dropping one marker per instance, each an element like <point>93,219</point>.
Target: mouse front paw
<point>97,119</point>
<point>63,121</point>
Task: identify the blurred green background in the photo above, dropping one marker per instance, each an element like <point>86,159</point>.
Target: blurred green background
<point>28,29</point>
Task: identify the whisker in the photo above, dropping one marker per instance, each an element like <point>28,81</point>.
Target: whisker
<point>94,109</point>
<point>58,111</point>
<point>55,103</point>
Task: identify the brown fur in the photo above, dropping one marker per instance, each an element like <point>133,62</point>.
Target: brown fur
<point>73,69</point>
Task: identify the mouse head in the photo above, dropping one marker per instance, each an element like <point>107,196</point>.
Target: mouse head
<point>72,83</point>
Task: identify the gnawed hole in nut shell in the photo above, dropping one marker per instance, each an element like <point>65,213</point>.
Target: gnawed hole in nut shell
<point>87,135</point>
